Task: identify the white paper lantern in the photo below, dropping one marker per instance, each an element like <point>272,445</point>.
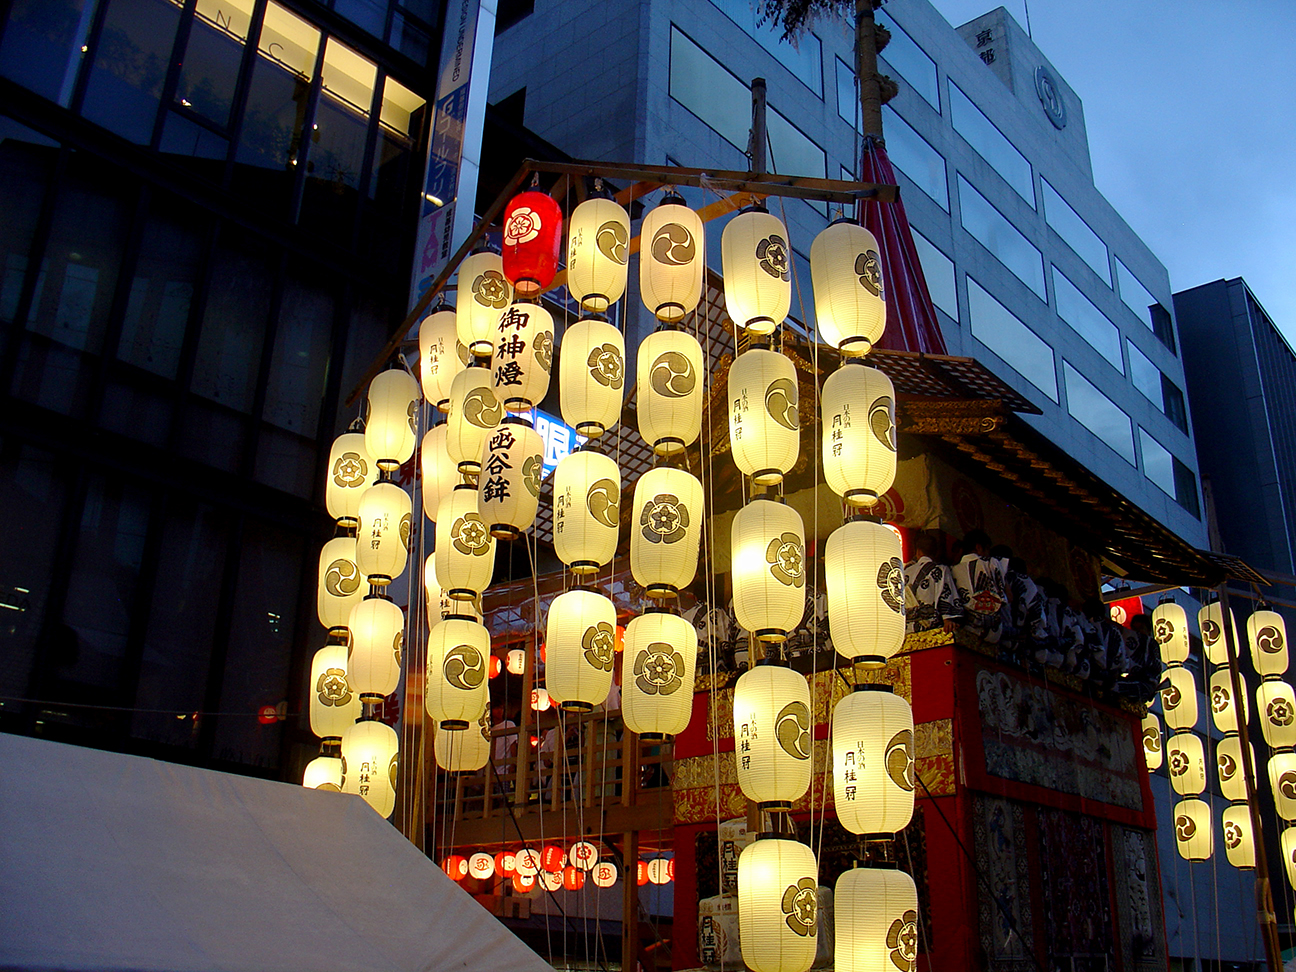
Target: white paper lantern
<point>659,666</point>
<point>523,356</point>
<point>481,866</point>
<point>437,600</point>
<point>1192,823</point>
<point>1228,767</point>
<point>515,661</point>
<point>377,638</point>
<point>1277,705</point>
<point>350,472</point>
<point>604,874</point>
<point>876,921</point>
<point>474,414</point>
<point>591,376</point>
<point>464,750</point>
<point>1289,854</point>
<point>598,254</point>
<point>527,862</point>
<point>665,530</point>
<point>764,428</point>
<point>1187,762</point>
<point>658,871</point>
<point>1210,621</point>
<point>859,433</point>
<point>772,742</point>
<point>669,390</point>
<point>583,854</point>
<point>392,421</point>
<point>550,880</point>
<point>1222,703</point>
<point>540,701</point>
<point>465,549</point>
<point>1239,842</point>
<point>369,759</point>
<point>441,356</point>
<point>1267,636</point>
<point>672,253</point>
<point>334,705</point>
<point>484,293</point>
<point>873,761</point>
<point>458,660</point>
<point>864,577</point>
<point>323,773</point>
<point>769,569</point>
<point>580,644</point>
<point>849,294</point>
<point>1170,629</point>
<point>586,510</point>
<point>340,586</point>
<point>440,472</point>
<point>778,905</point>
<point>757,262</point>
<point>1179,697</point>
<point>1282,783</point>
<point>383,536</point>
<point>508,490</point>
<point>1152,754</point>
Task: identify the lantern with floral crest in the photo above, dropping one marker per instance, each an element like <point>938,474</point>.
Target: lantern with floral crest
<point>1170,631</point>
<point>580,636</point>
<point>757,265</point>
<point>849,294</point>
<point>876,921</point>
<point>660,660</point>
<point>532,242</point>
<point>778,905</point>
<point>768,568</point>
<point>351,471</point>
<point>591,376</point>
<point>465,549</point>
<point>665,530</point>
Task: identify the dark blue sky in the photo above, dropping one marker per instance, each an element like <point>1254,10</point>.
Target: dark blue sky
<point>1191,113</point>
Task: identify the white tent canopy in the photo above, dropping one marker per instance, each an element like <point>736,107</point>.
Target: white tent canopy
<point>116,862</point>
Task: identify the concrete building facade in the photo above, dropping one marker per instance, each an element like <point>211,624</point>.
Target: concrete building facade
<point>1032,270</point>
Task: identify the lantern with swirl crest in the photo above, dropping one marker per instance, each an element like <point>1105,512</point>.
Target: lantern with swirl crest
<point>671,259</point>
<point>587,510</point>
<point>598,254</point>
<point>457,657</point>
<point>670,381</point>
<point>771,731</point>
<point>484,292</point>
<point>873,760</point>
<point>764,424</point>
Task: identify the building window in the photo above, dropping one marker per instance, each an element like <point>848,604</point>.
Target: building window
<point>1174,478</point>
<point>913,156</point>
<point>1098,413</point>
<point>130,67</point>
<point>988,142</point>
<point>1146,308</point>
<point>938,270</point>
<point>1087,320</point>
<point>910,61</point>
<point>44,45</point>
<point>804,59</point>
<point>1021,348</point>
<point>1156,387</point>
<point>1075,232</point>
<point>706,88</point>
<point>1001,238</point>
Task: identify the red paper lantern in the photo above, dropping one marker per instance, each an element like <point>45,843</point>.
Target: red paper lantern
<point>496,666</point>
<point>619,640</point>
<point>670,869</point>
<point>522,883</point>
<point>573,878</point>
<point>505,863</point>
<point>456,867</point>
<point>552,858</point>
<point>641,873</point>
<point>532,240</point>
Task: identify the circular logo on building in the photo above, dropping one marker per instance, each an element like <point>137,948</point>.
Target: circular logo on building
<point>1050,97</point>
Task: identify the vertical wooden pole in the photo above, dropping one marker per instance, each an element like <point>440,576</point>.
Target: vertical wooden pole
<point>630,901</point>
<point>866,70</point>
<point>758,163</point>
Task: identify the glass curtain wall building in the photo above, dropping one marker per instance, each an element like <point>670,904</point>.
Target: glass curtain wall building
<point>1033,271</point>
<point>207,228</point>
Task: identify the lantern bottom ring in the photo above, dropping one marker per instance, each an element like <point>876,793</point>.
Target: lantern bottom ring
<point>670,312</point>
<point>591,430</point>
<point>595,303</point>
<point>518,406</point>
<point>388,465</point>
<point>767,477</point>
<point>348,523</point>
<point>575,706</point>
<point>771,636</point>
<point>454,724</point>
<point>761,325</point>
<point>668,446</point>
<point>481,347</point>
<point>527,287</point>
<point>855,347</point>
<point>443,406</point>
<point>461,594</point>
<point>655,736</point>
<point>860,497</point>
<point>470,467</point>
<point>774,806</point>
<point>869,662</point>
<point>584,567</point>
<point>662,590</point>
<point>504,531</point>
<point>340,635</point>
